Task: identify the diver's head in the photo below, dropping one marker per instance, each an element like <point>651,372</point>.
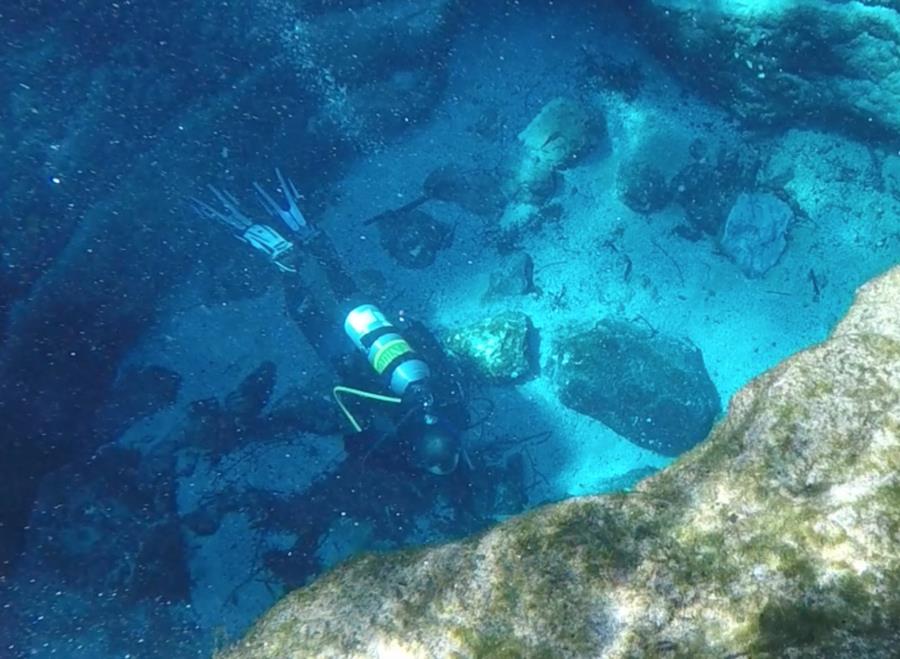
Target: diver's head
<point>434,446</point>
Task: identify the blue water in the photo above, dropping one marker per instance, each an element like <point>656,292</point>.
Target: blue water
<point>173,460</point>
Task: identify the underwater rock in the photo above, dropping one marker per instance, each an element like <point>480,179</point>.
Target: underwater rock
<point>414,238</point>
<point>515,277</point>
<point>561,134</point>
<point>777,536</point>
<point>652,389</point>
<point>782,63</point>
<point>498,348</point>
<point>706,190</point>
<point>642,187</point>
<point>755,232</point>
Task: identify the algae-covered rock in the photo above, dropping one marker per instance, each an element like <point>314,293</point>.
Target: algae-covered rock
<point>776,537</point>
<point>498,348</point>
<point>650,388</point>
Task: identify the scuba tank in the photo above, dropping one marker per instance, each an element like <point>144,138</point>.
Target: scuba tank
<point>388,353</point>
<point>433,444</point>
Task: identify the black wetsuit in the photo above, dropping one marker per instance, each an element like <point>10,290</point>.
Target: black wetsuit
<point>377,482</point>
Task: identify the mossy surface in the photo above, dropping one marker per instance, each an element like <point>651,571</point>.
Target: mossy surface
<point>496,348</point>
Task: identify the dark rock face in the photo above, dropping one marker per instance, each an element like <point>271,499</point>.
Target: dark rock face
<point>643,187</point>
<point>653,390</point>
<point>777,63</point>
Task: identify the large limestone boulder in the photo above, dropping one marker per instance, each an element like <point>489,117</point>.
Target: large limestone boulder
<point>782,60</point>
<point>777,536</point>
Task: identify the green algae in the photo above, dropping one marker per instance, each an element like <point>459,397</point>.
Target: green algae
<point>823,615</point>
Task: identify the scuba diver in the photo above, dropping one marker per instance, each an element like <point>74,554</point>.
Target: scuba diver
<point>427,413</point>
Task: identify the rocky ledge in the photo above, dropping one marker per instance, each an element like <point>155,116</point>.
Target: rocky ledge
<point>776,536</point>
<point>782,61</point>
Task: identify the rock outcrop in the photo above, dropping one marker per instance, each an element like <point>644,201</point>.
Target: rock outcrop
<point>777,536</point>
<point>778,62</point>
